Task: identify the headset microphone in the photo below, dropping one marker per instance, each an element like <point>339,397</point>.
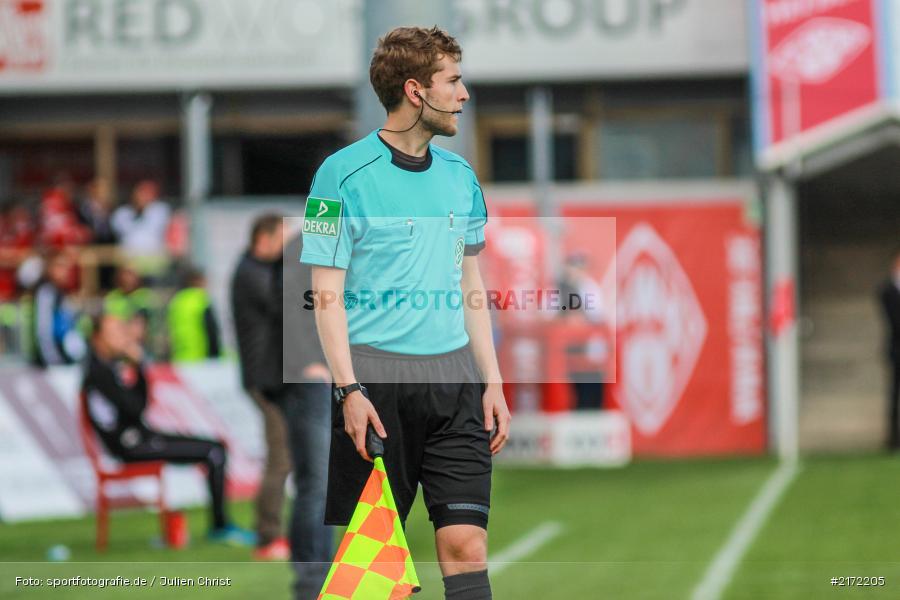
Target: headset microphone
<point>422,98</point>
<point>449,112</point>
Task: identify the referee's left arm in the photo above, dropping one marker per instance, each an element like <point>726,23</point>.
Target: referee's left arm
<point>478,326</point>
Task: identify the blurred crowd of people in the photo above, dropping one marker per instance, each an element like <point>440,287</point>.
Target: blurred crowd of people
<point>66,217</point>
<point>136,270</point>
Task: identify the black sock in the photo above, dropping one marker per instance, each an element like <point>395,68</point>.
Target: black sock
<point>468,586</point>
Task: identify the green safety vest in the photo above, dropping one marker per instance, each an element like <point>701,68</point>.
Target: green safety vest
<point>187,327</point>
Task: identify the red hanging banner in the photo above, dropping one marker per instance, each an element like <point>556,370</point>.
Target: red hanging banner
<point>686,285</point>
<point>816,66</point>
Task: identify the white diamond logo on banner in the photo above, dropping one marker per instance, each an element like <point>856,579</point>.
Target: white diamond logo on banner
<point>661,329</point>
<point>818,50</point>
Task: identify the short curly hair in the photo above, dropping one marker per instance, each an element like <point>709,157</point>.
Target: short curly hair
<point>408,53</point>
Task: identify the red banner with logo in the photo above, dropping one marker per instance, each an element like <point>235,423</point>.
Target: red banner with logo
<point>819,63</point>
<point>689,356</point>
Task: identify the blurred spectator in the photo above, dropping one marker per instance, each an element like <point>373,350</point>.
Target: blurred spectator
<point>141,227</point>
<point>9,328</point>
<point>577,282</point>
<point>59,222</point>
<point>132,301</point>
<point>17,229</point>
<point>193,327</point>
<point>890,302</point>
<point>30,272</point>
<point>129,298</point>
<point>116,411</point>
<point>582,295</point>
<point>57,340</point>
<point>252,306</point>
<point>178,235</point>
<point>16,237</point>
<point>95,211</point>
<point>302,388</point>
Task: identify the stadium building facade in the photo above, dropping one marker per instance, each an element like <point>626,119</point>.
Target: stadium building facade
<point>650,113</point>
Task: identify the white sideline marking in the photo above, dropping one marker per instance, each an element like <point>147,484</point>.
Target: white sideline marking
<point>721,569</point>
<point>524,546</point>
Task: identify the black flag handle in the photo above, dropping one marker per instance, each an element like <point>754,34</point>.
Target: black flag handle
<point>374,444</point>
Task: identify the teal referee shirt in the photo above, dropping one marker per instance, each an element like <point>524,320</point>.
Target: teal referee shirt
<point>401,231</point>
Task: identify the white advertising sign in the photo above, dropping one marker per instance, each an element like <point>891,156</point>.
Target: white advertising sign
<point>526,40</point>
<point>31,486</point>
<point>599,438</point>
<point>134,45</point>
<point>174,44</point>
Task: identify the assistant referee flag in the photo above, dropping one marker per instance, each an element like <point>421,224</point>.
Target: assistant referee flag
<point>373,560</point>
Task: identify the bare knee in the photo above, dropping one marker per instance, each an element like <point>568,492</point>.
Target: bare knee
<point>461,549</point>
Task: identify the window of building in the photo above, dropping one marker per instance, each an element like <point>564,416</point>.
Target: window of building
<point>741,146</point>
<point>269,165</point>
<point>652,130</point>
<point>511,157</point>
<point>622,131</point>
<point>155,157</point>
<point>29,167</point>
<point>658,146</point>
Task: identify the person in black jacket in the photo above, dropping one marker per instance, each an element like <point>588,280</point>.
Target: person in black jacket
<point>252,307</point>
<point>890,303</point>
<point>301,385</point>
<point>116,391</point>
<point>95,211</point>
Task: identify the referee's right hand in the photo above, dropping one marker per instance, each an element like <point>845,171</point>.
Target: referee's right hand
<point>358,413</point>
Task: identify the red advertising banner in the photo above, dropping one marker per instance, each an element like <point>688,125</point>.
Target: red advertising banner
<point>816,62</point>
<point>689,364</point>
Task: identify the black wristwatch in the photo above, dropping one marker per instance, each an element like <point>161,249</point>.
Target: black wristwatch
<point>341,393</point>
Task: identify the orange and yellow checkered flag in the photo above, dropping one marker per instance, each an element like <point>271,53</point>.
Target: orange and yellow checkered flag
<point>373,560</point>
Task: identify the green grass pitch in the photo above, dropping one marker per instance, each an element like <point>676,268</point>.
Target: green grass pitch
<point>648,531</point>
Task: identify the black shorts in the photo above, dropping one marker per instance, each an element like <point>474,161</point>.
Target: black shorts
<point>431,409</point>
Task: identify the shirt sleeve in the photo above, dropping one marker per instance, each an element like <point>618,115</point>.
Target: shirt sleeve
<point>477,220</point>
<point>327,240</point>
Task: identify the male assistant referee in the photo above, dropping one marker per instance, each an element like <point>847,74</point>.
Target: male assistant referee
<point>392,220</point>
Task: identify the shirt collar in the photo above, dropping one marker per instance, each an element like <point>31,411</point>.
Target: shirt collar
<point>400,159</point>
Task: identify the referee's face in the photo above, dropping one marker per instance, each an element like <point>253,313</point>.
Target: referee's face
<point>447,93</point>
